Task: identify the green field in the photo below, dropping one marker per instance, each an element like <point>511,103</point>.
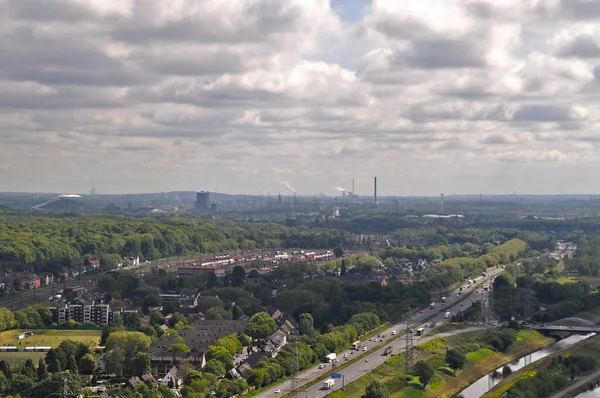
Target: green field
<point>50,338</point>
<point>480,361</point>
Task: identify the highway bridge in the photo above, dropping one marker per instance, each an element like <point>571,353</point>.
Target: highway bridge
<point>586,326</point>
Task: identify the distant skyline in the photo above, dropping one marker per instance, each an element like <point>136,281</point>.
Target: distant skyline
<point>256,96</point>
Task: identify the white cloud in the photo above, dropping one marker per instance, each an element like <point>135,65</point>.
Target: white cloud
<point>150,95</point>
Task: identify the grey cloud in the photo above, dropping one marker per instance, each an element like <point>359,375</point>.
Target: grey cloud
<point>30,56</point>
<point>543,113</point>
<point>496,139</point>
<point>581,9</point>
<point>263,20</point>
<point>47,11</point>
<point>446,54</point>
<point>581,47</point>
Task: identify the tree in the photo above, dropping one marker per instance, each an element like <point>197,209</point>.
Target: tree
<point>179,348</point>
<point>133,320</point>
<point>41,371</point>
<point>157,318</point>
<point>375,390</point>
<point>238,275</point>
<point>261,326</point>
<point>344,270</point>
<point>114,361</point>
<point>86,365</point>
<point>221,354</point>
<point>218,313</point>
<point>108,284</point>
<point>425,372</point>
<point>122,349</point>
<point>28,369</point>
<point>215,367</point>
<point>456,359</point>
<point>306,325</point>
<point>71,365</point>
<point>53,359</point>
<point>140,364</point>
<point>338,252</point>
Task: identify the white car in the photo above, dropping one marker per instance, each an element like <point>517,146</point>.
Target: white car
<point>321,366</point>
<point>277,391</point>
<point>364,348</point>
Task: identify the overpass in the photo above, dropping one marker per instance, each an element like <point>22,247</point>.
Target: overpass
<point>587,326</point>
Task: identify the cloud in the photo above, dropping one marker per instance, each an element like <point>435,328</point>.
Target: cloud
<point>147,95</point>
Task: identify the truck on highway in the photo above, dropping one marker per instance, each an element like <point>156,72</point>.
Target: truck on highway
<point>420,331</point>
<point>328,384</point>
<point>356,345</point>
<point>443,299</point>
<point>447,315</point>
<point>432,306</point>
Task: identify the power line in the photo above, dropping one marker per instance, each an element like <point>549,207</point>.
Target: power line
<point>409,346</point>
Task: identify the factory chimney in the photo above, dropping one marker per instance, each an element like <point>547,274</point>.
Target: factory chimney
<point>375,192</point>
<point>353,191</point>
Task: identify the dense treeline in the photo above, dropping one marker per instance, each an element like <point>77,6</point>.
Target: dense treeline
<point>587,257</point>
<point>329,301</point>
<point>459,268</point>
<point>560,300</point>
<point>30,239</point>
<point>552,377</point>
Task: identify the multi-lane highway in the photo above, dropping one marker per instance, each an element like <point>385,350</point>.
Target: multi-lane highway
<point>376,358</point>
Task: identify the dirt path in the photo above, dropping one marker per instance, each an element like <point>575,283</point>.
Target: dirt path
<point>579,383</point>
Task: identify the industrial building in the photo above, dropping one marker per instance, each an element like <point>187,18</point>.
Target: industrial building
<point>203,202</point>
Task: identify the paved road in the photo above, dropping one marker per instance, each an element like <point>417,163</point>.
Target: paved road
<point>453,304</point>
<point>578,384</point>
<point>360,368</point>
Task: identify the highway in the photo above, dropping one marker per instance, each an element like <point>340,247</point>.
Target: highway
<point>376,358</point>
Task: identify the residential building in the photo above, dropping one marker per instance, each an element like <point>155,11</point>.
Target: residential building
<point>98,314</point>
<point>204,334</point>
<point>30,281</point>
<point>198,270</point>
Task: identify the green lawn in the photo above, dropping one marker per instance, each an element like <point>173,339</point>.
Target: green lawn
<point>480,355</point>
<point>50,338</point>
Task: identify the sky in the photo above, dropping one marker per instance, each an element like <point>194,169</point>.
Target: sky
<point>257,96</point>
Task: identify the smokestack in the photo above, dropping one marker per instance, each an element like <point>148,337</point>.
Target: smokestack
<point>375,192</point>
<point>353,191</point>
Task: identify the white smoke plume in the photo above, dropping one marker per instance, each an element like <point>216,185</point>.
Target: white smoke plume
<point>288,186</point>
<point>339,189</point>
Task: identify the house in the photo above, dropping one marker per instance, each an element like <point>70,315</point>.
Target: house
<point>244,369</point>
<point>148,378</point>
<point>203,334</point>
<point>30,281</point>
<point>172,378</point>
<point>360,279</point>
<point>95,263</point>
<point>131,261</point>
<point>134,381</point>
<point>234,374</point>
<point>274,312</point>
<point>288,327</point>
<point>275,343</point>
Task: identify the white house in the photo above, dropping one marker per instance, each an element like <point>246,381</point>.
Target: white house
<point>172,378</point>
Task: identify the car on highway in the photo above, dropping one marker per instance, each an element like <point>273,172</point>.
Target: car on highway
<point>277,391</point>
<point>321,366</point>
<point>364,348</point>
